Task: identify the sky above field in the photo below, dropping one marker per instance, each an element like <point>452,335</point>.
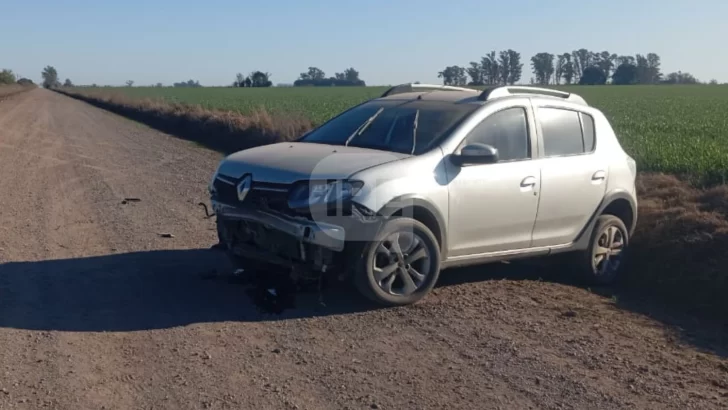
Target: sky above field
<point>388,41</point>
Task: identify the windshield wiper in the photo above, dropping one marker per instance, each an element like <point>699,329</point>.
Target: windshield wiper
<point>363,127</point>
<point>415,123</point>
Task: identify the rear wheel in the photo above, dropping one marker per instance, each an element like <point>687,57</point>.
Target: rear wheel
<point>602,262</point>
<point>401,265</point>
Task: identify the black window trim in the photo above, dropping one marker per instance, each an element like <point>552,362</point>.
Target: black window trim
<point>583,129</point>
<point>528,135</point>
<point>581,126</point>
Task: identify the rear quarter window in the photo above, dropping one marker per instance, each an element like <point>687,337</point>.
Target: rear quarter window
<point>587,123</point>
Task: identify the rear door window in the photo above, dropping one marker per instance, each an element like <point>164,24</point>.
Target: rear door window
<point>562,133</point>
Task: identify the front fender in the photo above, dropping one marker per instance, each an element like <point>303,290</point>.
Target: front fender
<point>413,206</point>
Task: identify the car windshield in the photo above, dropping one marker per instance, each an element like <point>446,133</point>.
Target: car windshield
<point>406,127</point>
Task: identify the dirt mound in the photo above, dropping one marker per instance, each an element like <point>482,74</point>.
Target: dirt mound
<point>680,247</point>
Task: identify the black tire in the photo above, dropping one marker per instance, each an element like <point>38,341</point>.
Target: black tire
<point>592,269</point>
<point>364,276</point>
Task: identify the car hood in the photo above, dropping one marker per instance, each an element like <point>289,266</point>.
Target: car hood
<point>288,162</point>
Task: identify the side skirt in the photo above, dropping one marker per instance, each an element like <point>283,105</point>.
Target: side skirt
<point>467,260</point>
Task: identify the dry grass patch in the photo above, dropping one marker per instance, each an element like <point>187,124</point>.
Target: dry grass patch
<point>680,247</point>
<point>12,89</point>
<point>225,131</point>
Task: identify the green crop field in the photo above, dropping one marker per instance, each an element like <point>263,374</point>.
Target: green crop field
<point>318,104</point>
<point>673,129</point>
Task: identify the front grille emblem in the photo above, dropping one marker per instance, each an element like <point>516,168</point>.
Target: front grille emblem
<point>244,187</point>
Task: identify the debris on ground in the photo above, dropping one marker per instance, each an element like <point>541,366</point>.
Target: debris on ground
<point>208,214</point>
<point>272,291</point>
<point>166,235</point>
<point>131,199</point>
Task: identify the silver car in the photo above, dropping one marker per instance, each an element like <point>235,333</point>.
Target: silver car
<point>427,177</point>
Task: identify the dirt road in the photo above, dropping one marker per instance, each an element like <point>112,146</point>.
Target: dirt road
<point>97,310</point>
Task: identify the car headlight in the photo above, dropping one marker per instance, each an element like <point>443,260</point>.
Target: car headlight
<point>321,193</point>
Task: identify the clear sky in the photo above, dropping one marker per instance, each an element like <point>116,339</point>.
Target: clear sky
<point>388,41</point>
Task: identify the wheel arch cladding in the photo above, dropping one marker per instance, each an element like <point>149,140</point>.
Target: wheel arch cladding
<point>617,203</point>
<point>421,210</point>
<point>622,209</point>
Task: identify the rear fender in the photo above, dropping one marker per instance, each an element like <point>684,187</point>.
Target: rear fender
<point>582,241</point>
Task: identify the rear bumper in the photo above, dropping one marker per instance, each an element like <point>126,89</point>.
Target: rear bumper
<point>325,235</point>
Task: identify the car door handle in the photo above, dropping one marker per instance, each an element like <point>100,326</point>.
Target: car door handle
<point>599,176</point>
<point>528,181</point>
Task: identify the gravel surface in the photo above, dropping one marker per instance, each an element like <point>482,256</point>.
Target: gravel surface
<point>98,309</point>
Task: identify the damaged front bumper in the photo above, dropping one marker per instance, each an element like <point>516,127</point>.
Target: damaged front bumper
<point>317,233</point>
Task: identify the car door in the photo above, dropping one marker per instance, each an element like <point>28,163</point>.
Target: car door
<point>573,175</point>
<point>492,207</point>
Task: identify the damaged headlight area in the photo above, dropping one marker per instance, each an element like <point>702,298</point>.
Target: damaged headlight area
<point>315,194</point>
<point>211,185</point>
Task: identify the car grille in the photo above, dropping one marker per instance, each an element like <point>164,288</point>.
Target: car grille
<point>269,196</point>
<point>225,191</point>
<point>262,195</point>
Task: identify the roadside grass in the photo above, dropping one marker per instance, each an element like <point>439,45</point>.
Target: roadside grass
<point>677,134</point>
<point>224,131</point>
<point>12,89</point>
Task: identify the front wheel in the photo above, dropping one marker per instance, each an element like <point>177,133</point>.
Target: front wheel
<point>401,265</point>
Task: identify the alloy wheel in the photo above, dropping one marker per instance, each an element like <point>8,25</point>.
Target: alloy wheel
<point>402,263</point>
<point>608,250</point>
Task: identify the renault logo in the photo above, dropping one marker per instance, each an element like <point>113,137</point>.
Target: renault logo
<point>244,187</point>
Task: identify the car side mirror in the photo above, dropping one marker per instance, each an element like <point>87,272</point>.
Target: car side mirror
<point>476,153</point>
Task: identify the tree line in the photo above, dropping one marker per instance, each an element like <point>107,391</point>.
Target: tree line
<point>51,79</point>
<point>254,79</point>
<point>581,66</point>
<point>495,68</point>
<point>313,77</point>
<point>316,77</point>
<point>8,77</point>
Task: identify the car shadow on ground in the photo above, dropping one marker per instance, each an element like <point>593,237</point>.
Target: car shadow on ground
<point>169,288</point>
